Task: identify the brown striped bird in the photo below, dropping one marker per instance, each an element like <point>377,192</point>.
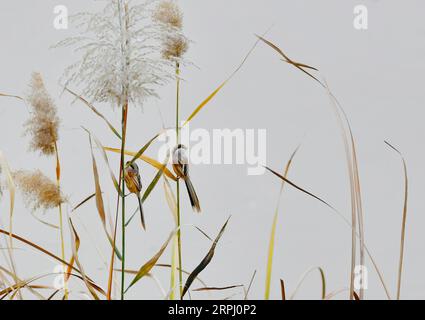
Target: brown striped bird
<point>134,185</point>
<point>181,168</point>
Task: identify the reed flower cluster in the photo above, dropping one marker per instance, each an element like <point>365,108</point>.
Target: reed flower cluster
<point>119,52</point>
<point>174,42</point>
<point>39,191</point>
<point>44,123</point>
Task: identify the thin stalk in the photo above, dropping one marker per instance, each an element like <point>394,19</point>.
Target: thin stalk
<point>58,175</point>
<point>403,231</point>
<point>173,269</point>
<point>124,24</point>
<point>179,241</point>
<point>403,224</point>
<point>123,135</point>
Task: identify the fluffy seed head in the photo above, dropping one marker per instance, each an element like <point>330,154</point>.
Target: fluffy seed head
<point>174,47</point>
<point>168,13</point>
<point>39,191</point>
<point>44,122</point>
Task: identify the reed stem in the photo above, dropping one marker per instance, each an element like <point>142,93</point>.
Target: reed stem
<point>179,242</point>
<point>58,176</point>
<point>123,136</point>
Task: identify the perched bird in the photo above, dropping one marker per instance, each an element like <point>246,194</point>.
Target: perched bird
<point>181,168</point>
<point>134,185</point>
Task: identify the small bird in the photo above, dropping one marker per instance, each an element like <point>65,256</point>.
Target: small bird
<point>181,168</point>
<point>134,185</point>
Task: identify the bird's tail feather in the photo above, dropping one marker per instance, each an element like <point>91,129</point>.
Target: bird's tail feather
<point>142,217</point>
<point>194,201</point>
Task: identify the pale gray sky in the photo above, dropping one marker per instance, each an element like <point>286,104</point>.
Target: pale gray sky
<point>376,74</point>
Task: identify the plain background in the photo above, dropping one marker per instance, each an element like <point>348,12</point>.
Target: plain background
<point>376,74</point>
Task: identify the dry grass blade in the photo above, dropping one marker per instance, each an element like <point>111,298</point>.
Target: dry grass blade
<point>218,288</point>
<point>145,147</point>
<point>12,190</point>
<point>171,199</point>
<point>83,202</point>
<point>51,225</point>
<point>51,255</point>
<point>172,205</point>
<point>204,263</point>
<point>164,265</point>
<point>75,246</point>
<point>214,93</point>
<point>147,267</point>
<point>11,96</point>
<point>297,65</point>
<point>304,276</point>
<point>148,160</point>
<point>88,104</point>
<point>11,274</point>
<point>155,180</point>
<point>282,289</point>
<point>300,189</point>
<point>250,284</point>
<point>105,157</point>
<point>99,199</point>
<point>403,224</point>
<point>356,201</point>
<point>273,230</point>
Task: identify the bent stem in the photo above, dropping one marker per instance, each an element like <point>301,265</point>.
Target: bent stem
<point>58,175</point>
<point>179,241</point>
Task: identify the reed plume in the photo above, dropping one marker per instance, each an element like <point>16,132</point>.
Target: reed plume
<point>39,191</point>
<point>169,13</point>
<point>174,43</point>
<point>119,54</point>
<point>44,123</point>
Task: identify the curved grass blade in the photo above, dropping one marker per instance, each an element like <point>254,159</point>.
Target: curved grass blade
<point>218,288</point>
<point>299,188</point>
<point>282,289</point>
<point>273,230</point>
<point>172,205</point>
<point>105,157</point>
<point>145,147</point>
<point>51,255</point>
<point>147,267</point>
<point>51,225</point>
<point>75,246</point>
<point>214,93</point>
<point>11,96</point>
<point>204,263</point>
<point>148,160</point>
<point>88,104</point>
<point>170,198</point>
<point>12,189</point>
<point>403,224</point>
<point>304,276</point>
<point>297,65</point>
<point>99,199</point>
<point>84,201</point>
<point>250,284</point>
<point>164,265</point>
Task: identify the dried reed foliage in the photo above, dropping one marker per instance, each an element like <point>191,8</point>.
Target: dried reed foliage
<point>43,124</point>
